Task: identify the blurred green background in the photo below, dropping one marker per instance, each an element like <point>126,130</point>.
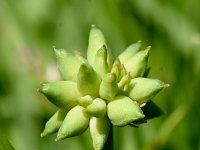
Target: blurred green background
<point>29,30</point>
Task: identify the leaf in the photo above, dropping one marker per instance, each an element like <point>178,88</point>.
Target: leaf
<point>151,110</point>
<point>146,73</point>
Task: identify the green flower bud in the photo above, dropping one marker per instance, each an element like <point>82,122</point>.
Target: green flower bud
<point>99,130</point>
<point>97,108</point>
<point>138,63</point>
<point>85,100</point>
<point>88,80</point>
<point>123,111</point>
<point>100,62</point>
<point>129,52</point>
<point>65,60</point>
<point>143,89</point>
<point>93,87</point>
<point>62,93</point>
<point>108,88</point>
<point>54,123</point>
<point>75,123</point>
<point>96,41</point>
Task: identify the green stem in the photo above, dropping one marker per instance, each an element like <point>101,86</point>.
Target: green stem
<point>109,144</point>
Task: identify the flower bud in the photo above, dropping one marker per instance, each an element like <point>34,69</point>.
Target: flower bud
<point>100,62</point>
<point>99,130</point>
<point>129,52</point>
<point>108,88</point>
<point>143,89</point>
<point>61,93</point>
<point>88,80</point>
<point>54,123</point>
<point>97,108</point>
<point>123,111</point>
<point>85,100</point>
<point>138,63</point>
<point>75,123</point>
<point>96,41</point>
<point>68,64</point>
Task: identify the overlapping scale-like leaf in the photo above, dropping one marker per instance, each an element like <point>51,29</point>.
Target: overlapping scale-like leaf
<point>143,89</point>
<point>88,81</point>
<point>123,111</point>
<point>85,100</point>
<point>96,41</point>
<point>99,130</point>
<point>137,64</point>
<point>65,60</point>
<point>108,88</point>
<point>75,123</point>
<point>63,94</point>
<point>129,52</point>
<point>54,123</point>
<point>100,62</point>
<point>97,108</point>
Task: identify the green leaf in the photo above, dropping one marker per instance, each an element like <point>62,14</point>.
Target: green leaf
<point>97,108</point>
<point>54,123</point>
<point>63,94</point>
<point>151,110</point>
<point>122,111</point>
<point>75,123</point>
<point>100,62</point>
<point>68,64</point>
<point>99,130</point>
<point>88,81</point>
<point>108,88</point>
<point>96,41</point>
<point>129,52</point>
<point>143,89</point>
<point>138,63</point>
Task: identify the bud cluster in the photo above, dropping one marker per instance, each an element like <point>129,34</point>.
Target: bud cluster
<point>100,90</point>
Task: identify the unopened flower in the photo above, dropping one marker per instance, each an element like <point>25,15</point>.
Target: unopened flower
<point>100,90</point>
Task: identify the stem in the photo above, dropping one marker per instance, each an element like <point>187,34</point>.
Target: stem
<point>109,143</point>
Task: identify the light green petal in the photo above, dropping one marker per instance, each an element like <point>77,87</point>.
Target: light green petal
<point>88,80</point>
<point>100,62</point>
<point>138,63</point>
<point>129,52</point>
<point>108,88</point>
<point>99,130</point>
<point>68,64</point>
<point>143,89</point>
<point>54,123</point>
<point>62,93</point>
<point>123,111</point>
<point>97,108</point>
<point>75,123</point>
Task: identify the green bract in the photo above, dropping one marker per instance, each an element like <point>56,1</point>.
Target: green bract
<point>100,91</point>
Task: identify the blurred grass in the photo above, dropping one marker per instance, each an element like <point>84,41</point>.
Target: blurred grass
<point>29,29</point>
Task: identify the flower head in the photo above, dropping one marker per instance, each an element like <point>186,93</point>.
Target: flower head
<point>100,90</point>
